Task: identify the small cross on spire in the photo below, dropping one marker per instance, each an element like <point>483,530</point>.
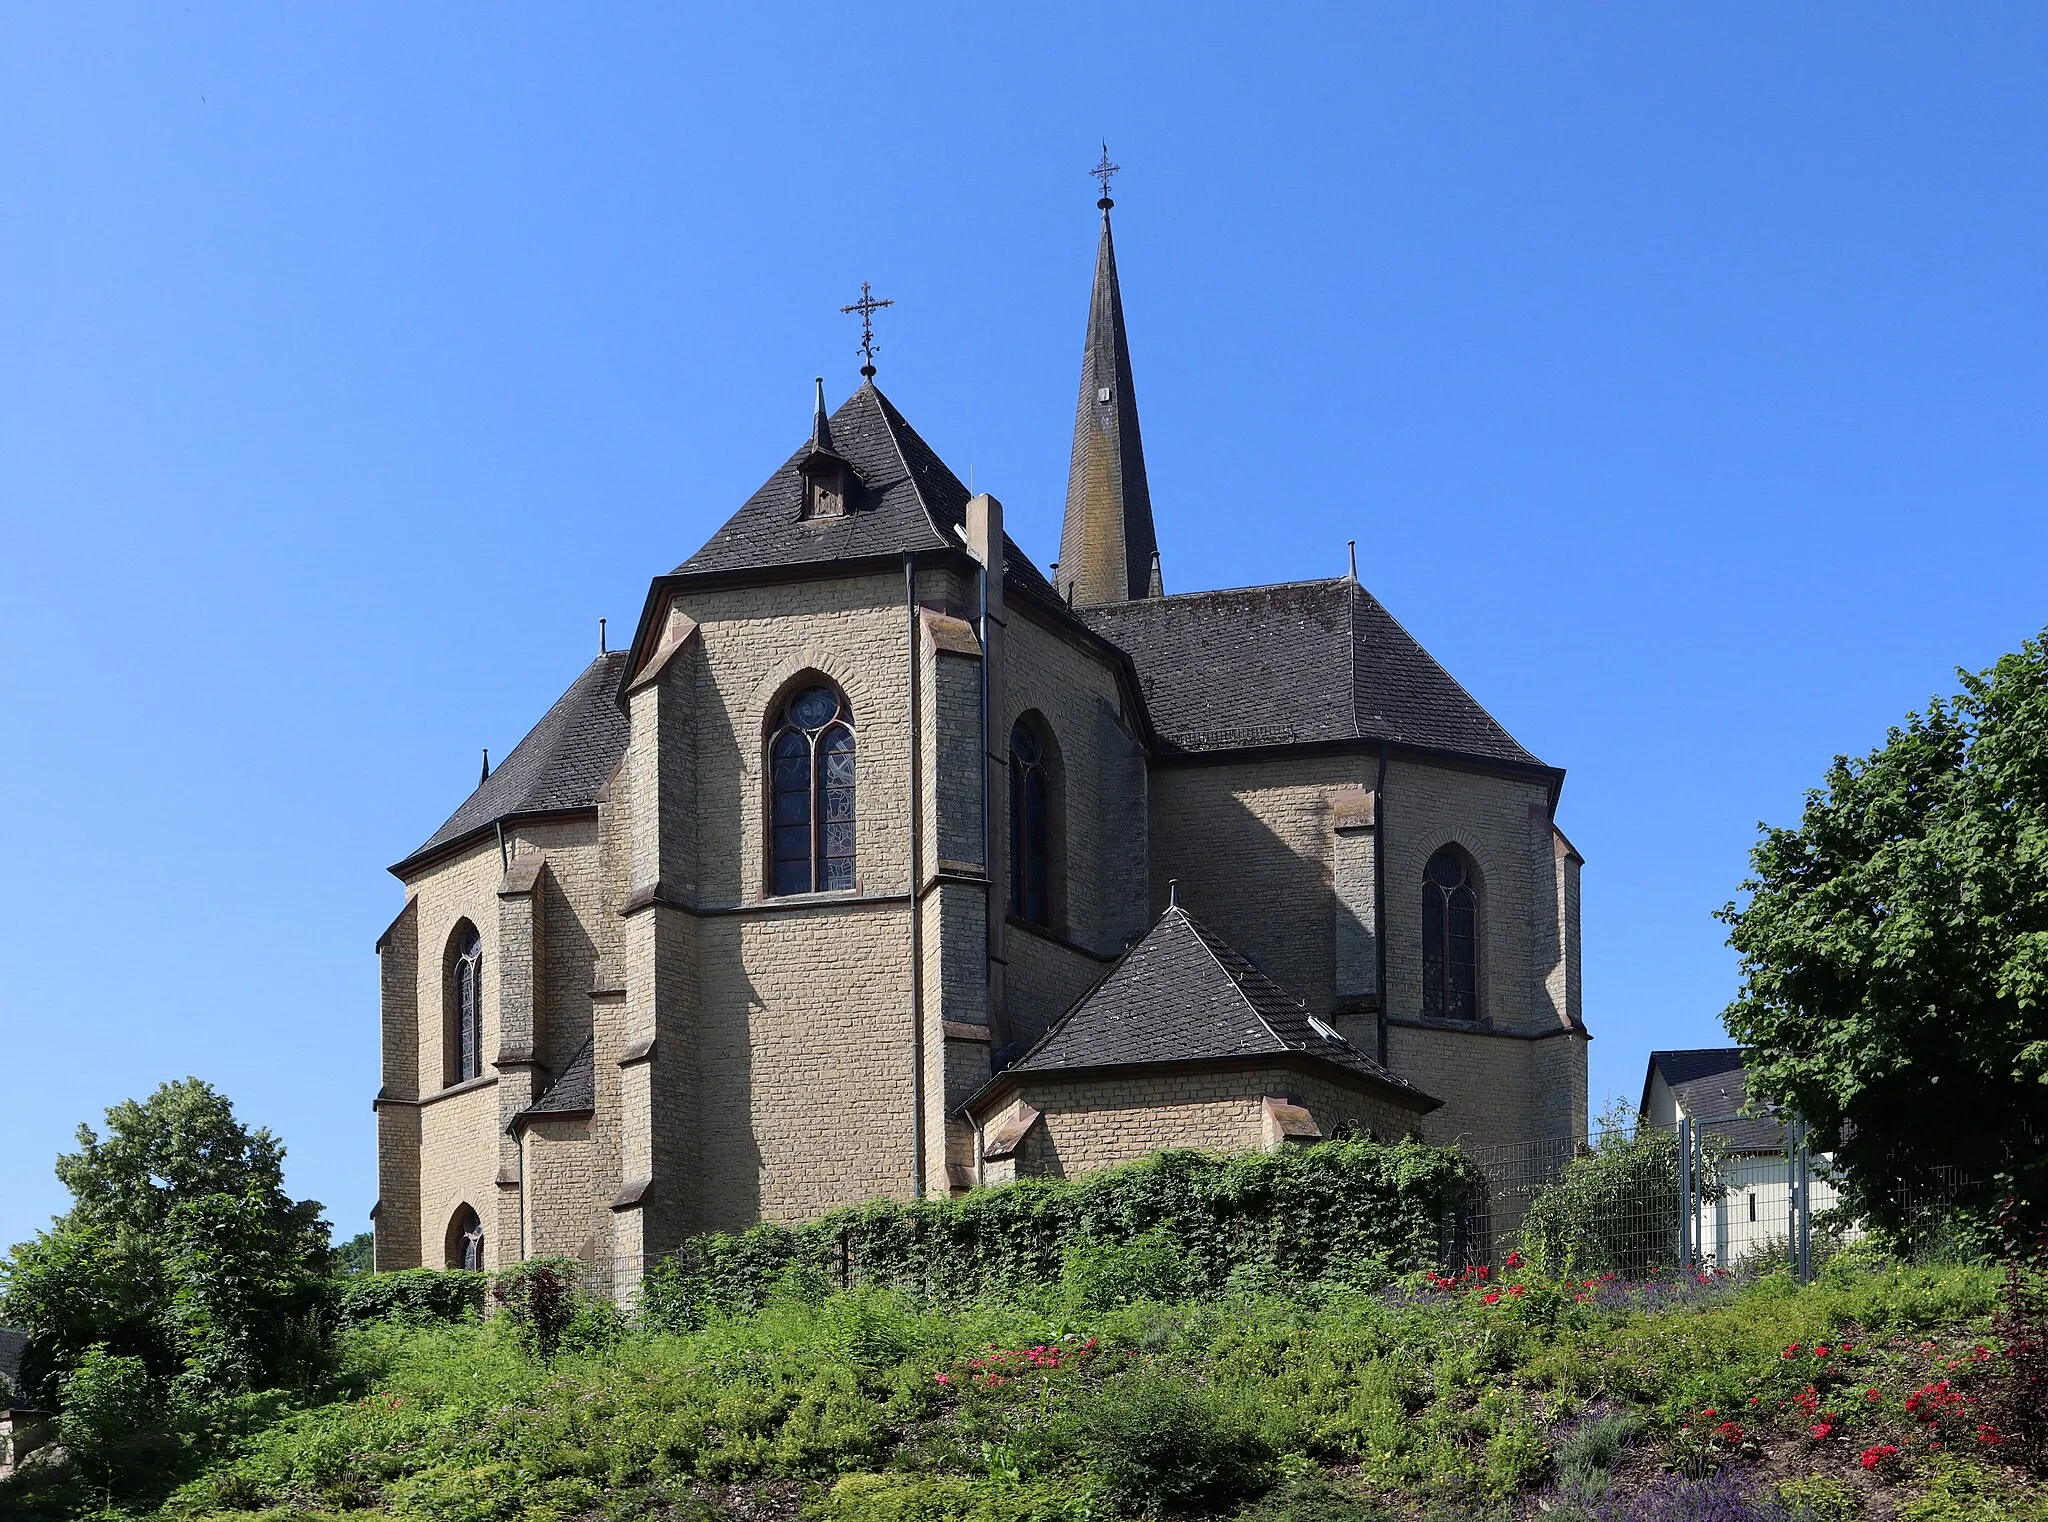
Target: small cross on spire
<point>1104,172</point>
<point>867,306</point>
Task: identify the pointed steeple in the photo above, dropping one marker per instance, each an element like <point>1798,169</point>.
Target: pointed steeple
<point>1108,552</point>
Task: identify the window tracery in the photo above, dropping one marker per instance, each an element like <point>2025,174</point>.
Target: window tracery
<point>811,804</point>
<point>466,1000</point>
<point>1450,938</point>
<point>1030,826</point>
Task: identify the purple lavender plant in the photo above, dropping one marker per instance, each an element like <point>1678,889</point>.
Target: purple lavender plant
<point>1722,1497</point>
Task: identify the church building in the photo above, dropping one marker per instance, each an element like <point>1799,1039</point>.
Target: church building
<point>883,863</point>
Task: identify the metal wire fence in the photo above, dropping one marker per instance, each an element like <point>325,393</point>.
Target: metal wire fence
<point>1720,1192</point>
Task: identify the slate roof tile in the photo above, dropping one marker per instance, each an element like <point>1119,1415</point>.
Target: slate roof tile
<point>574,1093</point>
<point>1292,664</point>
<point>902,498</point>
<point>561,763</point>
<point>1711,1082</point>
<point>1183,994</point>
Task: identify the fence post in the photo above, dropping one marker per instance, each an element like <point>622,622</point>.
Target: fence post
<point>1802,1207</point>
<point>1685,1183</point>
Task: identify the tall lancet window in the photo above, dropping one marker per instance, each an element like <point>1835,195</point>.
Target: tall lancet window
<point>1450,938</point>
<point>810,761</point>
<point>1030,826</point>
<point>465,1240</point>
<point>466,1005</point>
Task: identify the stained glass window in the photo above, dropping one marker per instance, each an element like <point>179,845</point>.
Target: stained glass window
<point>1030,827</point>
<point>1450,939</point>
<point>469,1006</point>
<point>810,764</point>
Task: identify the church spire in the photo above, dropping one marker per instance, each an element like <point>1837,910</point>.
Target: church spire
<point>1108,552</point>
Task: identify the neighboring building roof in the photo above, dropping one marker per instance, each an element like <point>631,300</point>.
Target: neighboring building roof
<point>560,765</point>
<point>902,498</point>
<point>1711,1082</point>
<point>1293,664</point>
<point>1184,995</point>
<point>574,1093</point>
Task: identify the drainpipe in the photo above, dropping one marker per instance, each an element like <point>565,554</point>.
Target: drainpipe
<point>1379,892</point>
<point>916,887</point>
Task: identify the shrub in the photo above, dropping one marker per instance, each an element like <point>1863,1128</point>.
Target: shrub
<point>413,1297</point>
<point>1156,1440</point>
<point>948,1498</point>
<point>1610,1210</point>
<point>539,1300</point>
<point>1101,1273</point>
<point>1586,1457</point>
<point>1359,1212</point>
<point>112,1416</point>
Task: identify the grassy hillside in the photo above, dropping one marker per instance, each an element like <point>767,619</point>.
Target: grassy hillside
<point>1872,1393</point>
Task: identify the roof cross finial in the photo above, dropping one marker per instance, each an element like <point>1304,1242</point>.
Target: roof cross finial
<point>1104,172</point>
<point>867,306</point>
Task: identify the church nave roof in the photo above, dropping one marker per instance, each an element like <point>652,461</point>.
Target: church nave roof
<point>558,767</point>
<point>1293,664</point>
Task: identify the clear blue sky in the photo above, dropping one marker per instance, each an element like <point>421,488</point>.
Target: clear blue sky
<point>1679,371</point>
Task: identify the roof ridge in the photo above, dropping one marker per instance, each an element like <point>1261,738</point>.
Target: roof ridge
<point>1209,940</point>
<point>890,418</point>
<point>1263,586</point>
<point>1423,651</point>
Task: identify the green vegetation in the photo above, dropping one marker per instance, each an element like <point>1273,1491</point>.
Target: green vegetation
<point>1081,1397</point>
<point>1895,952</point>
<point>1349,1212</point>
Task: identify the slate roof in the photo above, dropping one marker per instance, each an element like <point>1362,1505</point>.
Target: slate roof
<point>560,765</point>
<point>902,497</point>
<point>1711,1082</point>
<point>1182,994</point>
<point>1291,664</point>
<point>574,1093</point>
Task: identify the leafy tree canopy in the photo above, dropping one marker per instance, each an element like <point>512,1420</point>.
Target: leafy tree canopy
<point>1895,949</point>
<point>181,1250</point>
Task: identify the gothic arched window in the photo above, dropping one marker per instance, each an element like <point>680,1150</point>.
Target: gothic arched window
<point>1030,825</point>
<point>810,763</point>
<point>465,1240</point>
<point>466,1005</point>
<point>1450,938</point>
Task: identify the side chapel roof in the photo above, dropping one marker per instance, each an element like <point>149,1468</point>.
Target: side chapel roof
<point>1183,994</point>
<point>559,766</point>
<point>902,498</point>
<point>574,1093</point>
<point>1293,664</point>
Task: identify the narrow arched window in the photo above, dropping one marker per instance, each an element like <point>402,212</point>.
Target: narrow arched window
<point>1450,938</point>
<point>810,764</point>
<point>465,1240</point>
<point>466,1005</point>
<point>1030,826</point>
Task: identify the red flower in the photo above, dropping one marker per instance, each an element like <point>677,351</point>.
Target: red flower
<point>1988,1435</point>
<point>1792,1350</point>
<point>1514,1260</point>
<point>1820,1432</point>
<point>1876,1454</point>
<point>1729,1432</point>
<point>1491,1296</point>
<point>1873,1396</point>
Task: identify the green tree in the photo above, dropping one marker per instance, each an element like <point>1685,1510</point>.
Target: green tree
<point>356,1256</point>
<point>181,1251</point>
<point>1895,950</point>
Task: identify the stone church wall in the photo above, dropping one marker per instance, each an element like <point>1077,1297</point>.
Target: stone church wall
<point>1251,844</point>
<point>1100,807</point>
<point>1099,1123</point>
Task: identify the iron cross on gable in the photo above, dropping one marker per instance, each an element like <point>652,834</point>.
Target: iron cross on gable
<point>867,306</point>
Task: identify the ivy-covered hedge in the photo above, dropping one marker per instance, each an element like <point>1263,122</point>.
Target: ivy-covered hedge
<point>1356,1211</point>
<point>415,1296</point>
